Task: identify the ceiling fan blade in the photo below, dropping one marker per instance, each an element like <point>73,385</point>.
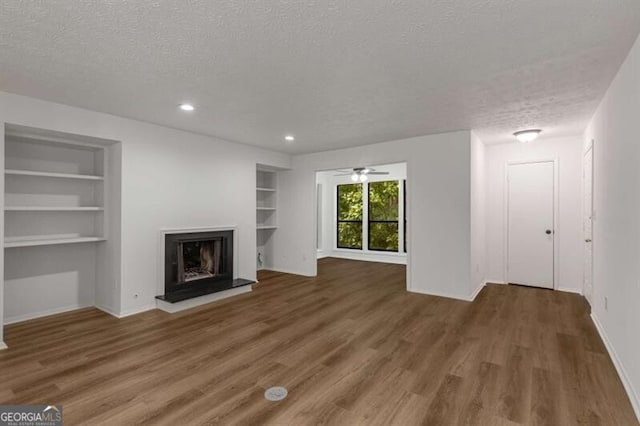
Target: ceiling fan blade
<point>378,173</point>
<point>344,174</point>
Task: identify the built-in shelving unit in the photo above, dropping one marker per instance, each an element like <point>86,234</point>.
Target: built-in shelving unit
<point>51,175</point>
<point>54,191</point>
<point>62,222</point>
<point>266,199</point>
<point>266,214</point>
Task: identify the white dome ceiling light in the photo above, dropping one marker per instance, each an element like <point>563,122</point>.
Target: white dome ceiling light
<point>526,136</point>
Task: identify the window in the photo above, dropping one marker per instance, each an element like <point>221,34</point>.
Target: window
<point>383,216</point>
<point>372,216</point>
<point>350,216</point>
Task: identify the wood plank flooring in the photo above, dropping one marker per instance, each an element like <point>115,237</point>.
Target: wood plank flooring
<point>352,347</point>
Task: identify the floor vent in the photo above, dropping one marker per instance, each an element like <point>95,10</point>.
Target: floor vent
<point>276,393</point>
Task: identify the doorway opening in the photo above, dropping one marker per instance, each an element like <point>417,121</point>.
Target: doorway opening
<point>362,213</point>
<point>587,222</point>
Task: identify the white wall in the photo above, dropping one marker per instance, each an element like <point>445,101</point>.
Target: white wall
<point>569,230</point>
<point>108,292</point>
<point>616,226</point>
<point>42,281</point>
<point>170,179</point>
<point>325,213</point>
<point>2,344</point>
<point>329,182</point>
<point>478,213</point>
<point>438,202</point>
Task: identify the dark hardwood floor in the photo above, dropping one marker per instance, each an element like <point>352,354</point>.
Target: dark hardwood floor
<point>352,347</point>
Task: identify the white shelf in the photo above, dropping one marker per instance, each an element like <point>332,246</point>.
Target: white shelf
<point>266,208</point>
<point>11,242</point>
<point>265,227</point>
<point>265,189</point>
<point>52,175</point>
<point>52,209</point>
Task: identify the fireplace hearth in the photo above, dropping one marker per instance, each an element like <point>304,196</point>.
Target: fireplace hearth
<point>198,263</point>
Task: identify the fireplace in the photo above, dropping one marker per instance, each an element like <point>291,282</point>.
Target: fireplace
<point>198,263</point>
<point>199,259</point>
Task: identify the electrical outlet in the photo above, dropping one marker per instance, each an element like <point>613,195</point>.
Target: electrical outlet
<point>606,303</point>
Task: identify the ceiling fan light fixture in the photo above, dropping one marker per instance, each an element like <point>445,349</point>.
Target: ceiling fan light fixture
<point>526,136</point>
<point>360,174</point>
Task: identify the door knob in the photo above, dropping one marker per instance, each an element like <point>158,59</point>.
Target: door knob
<point>588,240</point>
<point>548,232</point>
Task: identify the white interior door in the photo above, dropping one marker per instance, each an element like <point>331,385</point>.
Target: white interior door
<point>587,223</point>
<point>530,224</point>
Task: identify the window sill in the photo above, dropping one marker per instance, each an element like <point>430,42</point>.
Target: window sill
<point>371,252</point>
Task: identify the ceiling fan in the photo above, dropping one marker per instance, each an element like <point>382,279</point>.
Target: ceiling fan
<point>359,174</point>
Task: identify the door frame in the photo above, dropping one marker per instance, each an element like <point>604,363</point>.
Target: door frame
<point>556,217</point>
<point>588,151</point>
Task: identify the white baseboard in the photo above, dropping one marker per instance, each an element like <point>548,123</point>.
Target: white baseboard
<point>570,290</point>
<point>470,298</point>
<point>380,257</point>
<point>321,254</point>
<point>125,313</point>
<point>202,300</point>
<point>135,311</point>
<point>477,291</point>
<point>30,316</point>
<point>291,272</point>
<point>3,345</point>
<point>440,294</point>
<point>107,310</point>
<point>624,377</point>
<point>495,282</point>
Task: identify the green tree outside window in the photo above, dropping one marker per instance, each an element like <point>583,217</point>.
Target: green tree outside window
<point>350,216</point>
<point>383,216</point>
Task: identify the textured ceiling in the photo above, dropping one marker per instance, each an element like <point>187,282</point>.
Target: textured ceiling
<point>335,73</point>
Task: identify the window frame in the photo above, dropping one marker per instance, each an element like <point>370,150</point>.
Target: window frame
<point>364,249</point>
<point>339,221</point>
<point>404,214</point>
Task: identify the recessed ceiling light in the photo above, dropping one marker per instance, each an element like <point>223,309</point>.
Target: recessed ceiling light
<point>186,107</point>
<point>289,138</point>
<point>527,135</point>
